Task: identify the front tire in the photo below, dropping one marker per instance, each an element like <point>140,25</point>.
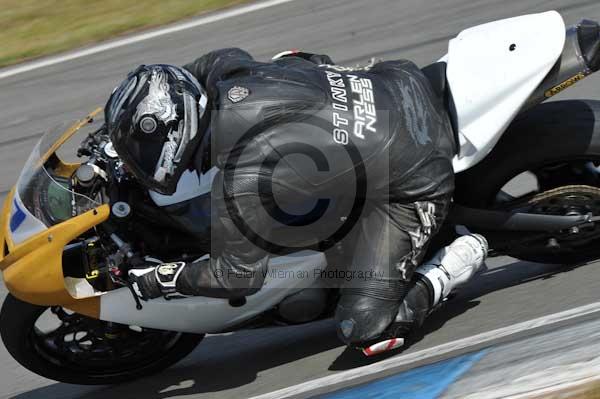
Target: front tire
<point>106,355</point>
<point>554,142</point>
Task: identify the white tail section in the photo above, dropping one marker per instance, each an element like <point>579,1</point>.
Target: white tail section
<point>492,71</point>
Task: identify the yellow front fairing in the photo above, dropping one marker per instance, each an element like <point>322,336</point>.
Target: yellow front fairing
<point>31,256</point>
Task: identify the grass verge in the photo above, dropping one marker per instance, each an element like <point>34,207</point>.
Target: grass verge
<point>34,28</point>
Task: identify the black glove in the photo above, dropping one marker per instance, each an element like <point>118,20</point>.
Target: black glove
<point>156,281</point>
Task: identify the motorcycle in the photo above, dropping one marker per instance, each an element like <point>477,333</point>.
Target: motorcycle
<point>69,229</point>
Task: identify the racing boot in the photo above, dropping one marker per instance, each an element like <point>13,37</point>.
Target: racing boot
<point>450,268</point>
<point>453,266</point>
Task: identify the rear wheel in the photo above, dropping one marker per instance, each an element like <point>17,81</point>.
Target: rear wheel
<point>548,162</point>
<point>76,349</point>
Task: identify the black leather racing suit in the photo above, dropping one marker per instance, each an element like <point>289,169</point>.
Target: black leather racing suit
<point>376,141</point>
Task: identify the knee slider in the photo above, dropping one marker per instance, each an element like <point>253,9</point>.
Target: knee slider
<point>362,318</point>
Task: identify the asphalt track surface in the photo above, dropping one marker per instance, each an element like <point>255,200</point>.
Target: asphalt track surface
<point>351,31</point>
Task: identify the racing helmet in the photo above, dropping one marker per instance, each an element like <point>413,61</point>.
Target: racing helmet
<point>156,119</point>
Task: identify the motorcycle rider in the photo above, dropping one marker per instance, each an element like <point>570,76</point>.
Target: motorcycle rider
<point>165,121</point>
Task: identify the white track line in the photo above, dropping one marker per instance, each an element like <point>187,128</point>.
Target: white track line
<point>219,16</point>
<point>446,348</point>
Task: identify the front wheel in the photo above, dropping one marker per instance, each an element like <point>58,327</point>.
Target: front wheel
<point>547,162</point>
<point>76,349</point>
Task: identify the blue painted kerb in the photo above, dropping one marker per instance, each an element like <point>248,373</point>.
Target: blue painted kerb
<point>427,382</point>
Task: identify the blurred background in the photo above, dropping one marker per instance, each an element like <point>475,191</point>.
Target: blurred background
<point>33,28</point>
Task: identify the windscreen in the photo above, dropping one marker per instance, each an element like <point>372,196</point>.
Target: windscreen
<point>43,196</point>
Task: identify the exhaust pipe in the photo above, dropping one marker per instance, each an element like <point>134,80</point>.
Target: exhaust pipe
<point>580,58</point>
